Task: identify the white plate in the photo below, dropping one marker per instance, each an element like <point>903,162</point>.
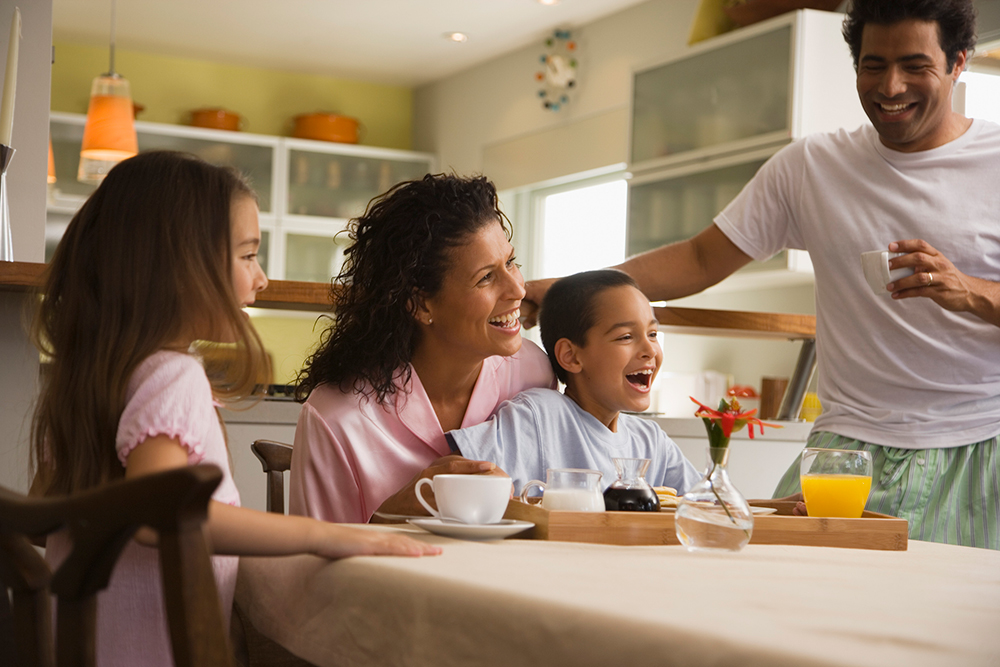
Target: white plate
<point>470,531</point>
<point>753,510</point>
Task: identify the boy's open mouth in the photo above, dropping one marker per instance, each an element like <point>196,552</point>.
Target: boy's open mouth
<point>508,321</point>
<point>640,379</point>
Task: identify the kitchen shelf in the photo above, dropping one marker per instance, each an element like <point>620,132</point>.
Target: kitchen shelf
<point>736,323</point>
<point>307,190</point>
<point>308,296</point>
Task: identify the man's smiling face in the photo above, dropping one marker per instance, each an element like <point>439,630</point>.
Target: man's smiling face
<point>905,85</point>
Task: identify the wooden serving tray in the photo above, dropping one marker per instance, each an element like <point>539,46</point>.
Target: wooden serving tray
<point>871,531</point>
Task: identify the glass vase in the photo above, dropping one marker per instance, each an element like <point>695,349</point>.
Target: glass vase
<point>713,515</point>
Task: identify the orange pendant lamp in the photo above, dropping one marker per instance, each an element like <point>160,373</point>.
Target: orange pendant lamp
<point>109,135</point>
<point>51,176</point>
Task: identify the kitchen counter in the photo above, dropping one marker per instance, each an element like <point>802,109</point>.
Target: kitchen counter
<point>693,427</point>
<point>755,465</point>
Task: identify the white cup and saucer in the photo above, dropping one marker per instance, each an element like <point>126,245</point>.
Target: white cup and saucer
<point>469,507</point>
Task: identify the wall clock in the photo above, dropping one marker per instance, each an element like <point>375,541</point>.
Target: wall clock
<point>559,69</point>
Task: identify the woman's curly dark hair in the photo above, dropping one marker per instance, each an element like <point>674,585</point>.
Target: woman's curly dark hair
<point>956,21</point>
<point>400,247</point>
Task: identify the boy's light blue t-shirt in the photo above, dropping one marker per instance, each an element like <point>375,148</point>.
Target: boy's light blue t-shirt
<point>541,428</point>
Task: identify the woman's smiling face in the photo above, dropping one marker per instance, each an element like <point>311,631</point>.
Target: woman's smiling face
<point>475,313</point>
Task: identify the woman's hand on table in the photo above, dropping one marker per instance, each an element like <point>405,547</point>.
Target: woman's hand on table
<point>405,500</point>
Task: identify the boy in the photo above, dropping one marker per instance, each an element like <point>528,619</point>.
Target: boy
<point>600,335</point>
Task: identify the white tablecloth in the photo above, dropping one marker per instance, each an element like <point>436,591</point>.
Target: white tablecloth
<point>522,602</point>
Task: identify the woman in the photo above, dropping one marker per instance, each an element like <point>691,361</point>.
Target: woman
<point>426,339</point>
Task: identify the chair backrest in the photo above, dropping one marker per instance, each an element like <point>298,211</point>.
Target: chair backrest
<point>101,521</point>
<point>276,459</point>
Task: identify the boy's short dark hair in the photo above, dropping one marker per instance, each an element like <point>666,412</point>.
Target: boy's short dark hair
<point>956,20</point>
<point>568,309</point>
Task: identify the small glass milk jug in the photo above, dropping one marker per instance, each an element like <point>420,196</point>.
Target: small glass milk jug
<point>572,489</point>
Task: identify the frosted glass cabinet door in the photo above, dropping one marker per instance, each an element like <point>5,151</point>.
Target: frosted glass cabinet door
<point>340,186</point>
<point>313,258</point>
<point>664,210</point>
<point>256,162</point>
<point>674,209</point>
<point>66,141</point>
<point>726,94</point>
<point>264,251</point>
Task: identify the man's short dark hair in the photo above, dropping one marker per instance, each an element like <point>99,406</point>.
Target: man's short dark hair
<point>568,309</point>
<point>956,21</point>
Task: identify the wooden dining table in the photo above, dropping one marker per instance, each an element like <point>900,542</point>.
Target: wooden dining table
<point>534,602</point>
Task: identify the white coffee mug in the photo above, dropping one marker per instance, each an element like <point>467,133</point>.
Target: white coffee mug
<point>876,267</point>
<point>474,499</point>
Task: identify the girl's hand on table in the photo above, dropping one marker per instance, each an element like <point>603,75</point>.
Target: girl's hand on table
<point>338,541</point>
<point>405,500</point>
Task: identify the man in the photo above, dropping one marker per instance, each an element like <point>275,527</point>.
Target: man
<point>913,378</point>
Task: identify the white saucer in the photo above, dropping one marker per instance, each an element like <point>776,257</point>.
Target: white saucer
<point>753,510</point>
<point>399,517</point>
<point>470,531</point>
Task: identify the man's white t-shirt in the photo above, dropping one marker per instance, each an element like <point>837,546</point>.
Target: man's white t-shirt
<point>903,373</point>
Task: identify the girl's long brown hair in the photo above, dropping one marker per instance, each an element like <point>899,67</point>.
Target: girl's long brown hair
<point>145,261</point>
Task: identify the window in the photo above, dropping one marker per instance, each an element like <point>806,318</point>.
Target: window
<point>571,227</point>
<point>981,95</point>
<point>583,229</point>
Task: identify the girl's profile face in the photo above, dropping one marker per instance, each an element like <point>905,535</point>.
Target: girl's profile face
<point>247,276</point>
<point>475,313</point>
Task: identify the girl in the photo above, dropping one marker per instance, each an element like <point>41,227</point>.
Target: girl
<point>163,254</point>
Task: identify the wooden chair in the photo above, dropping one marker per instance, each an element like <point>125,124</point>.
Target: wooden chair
<point>258,649</point>
<point>101,522</point>
<point>276,459</point>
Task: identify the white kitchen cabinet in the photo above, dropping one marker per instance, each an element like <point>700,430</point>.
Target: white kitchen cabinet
<point>325,186</point>
<point>704,121</point>
<point>307,190</point>
<point>268,419</point>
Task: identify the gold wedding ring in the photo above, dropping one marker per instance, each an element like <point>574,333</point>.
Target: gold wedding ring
<point>930,278</point>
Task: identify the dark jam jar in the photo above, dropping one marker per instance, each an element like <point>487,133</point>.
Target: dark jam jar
<point>631,500</point>
<point>630,492</point>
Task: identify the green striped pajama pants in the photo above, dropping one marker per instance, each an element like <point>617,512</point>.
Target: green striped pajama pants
<point>949,495</point>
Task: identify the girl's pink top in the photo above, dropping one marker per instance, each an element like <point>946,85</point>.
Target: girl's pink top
<point>169,395</point>
<point>351,453</point>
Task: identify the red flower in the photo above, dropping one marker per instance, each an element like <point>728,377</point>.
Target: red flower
<point>728,419</point>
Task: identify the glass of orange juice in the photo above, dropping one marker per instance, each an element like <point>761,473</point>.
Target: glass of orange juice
<point>835,482</point>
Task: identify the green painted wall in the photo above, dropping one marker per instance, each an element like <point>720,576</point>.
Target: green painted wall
<point>289,340</point>
<point>268,99</point>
